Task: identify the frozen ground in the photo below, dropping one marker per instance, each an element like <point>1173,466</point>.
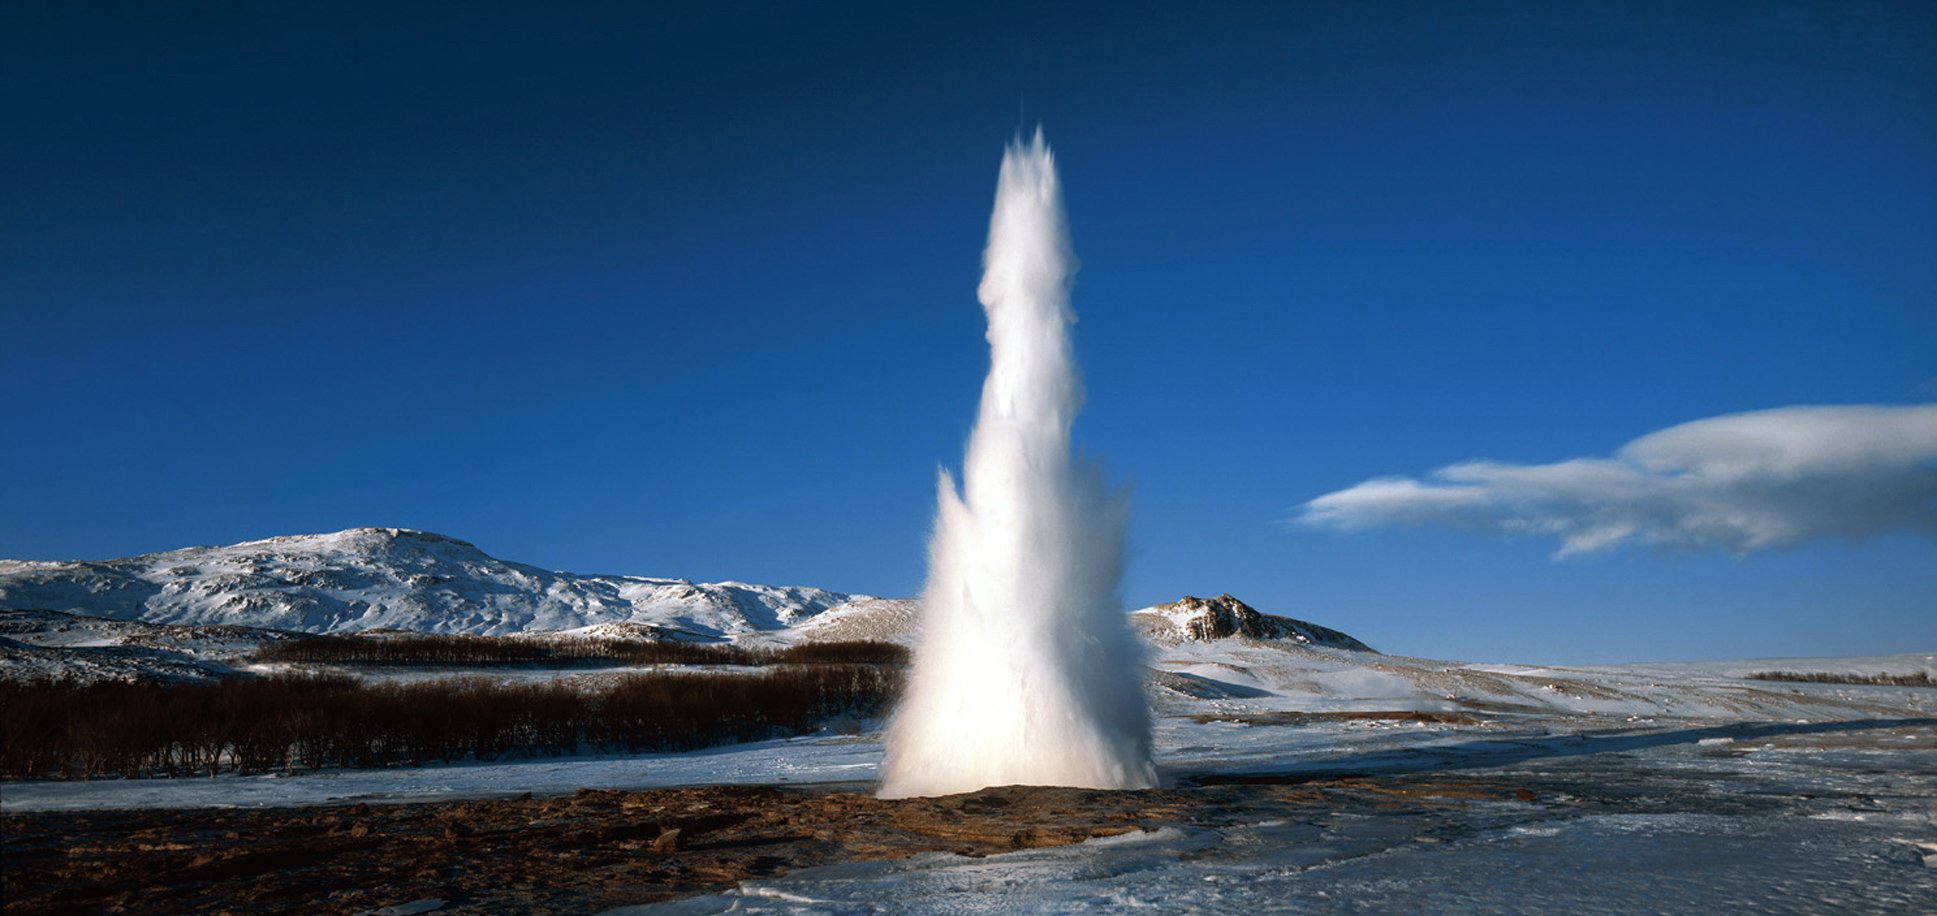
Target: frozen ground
<point>1689,817</point>
<point>1667,824</point>
<point>1658,788</point>
<point>828,759</point>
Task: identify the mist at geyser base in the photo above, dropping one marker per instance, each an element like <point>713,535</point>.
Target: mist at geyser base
<point>1027,672</point>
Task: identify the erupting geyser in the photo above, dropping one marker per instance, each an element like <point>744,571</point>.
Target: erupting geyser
<point>1027,672</point>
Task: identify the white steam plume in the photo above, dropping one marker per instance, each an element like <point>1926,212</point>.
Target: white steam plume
<point>1027,672</point>
<point>1740,483</point>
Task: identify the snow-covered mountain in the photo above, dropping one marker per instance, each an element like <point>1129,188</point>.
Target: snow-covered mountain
<point>378,578</point>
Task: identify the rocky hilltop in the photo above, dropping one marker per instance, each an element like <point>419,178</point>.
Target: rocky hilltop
<point>1204,619</point>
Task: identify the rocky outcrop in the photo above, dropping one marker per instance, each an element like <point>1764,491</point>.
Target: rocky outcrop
<point>1224,617</point>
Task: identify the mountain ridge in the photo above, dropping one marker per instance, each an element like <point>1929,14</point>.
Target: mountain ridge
<point>370,578</point>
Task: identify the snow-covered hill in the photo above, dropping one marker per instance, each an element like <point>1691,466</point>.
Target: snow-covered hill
<point>371,578</point>
<point>896,620</point>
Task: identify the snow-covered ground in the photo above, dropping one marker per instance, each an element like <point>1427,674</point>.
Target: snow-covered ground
<point>1274,708</point>
<point>823,759</point>
<point>1659,788</point>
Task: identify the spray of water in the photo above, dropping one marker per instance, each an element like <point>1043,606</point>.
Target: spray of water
<point>1027,672</point>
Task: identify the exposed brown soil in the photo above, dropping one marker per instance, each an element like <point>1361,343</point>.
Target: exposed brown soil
<point>593,850</point>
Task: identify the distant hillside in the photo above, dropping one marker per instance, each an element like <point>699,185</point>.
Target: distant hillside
<point>36,643</point>
<point>370,578</point>
<point>199,611</point>
<point>1189,619</point>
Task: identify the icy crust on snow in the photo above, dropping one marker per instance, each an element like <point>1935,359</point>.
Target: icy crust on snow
<point>374,578</point>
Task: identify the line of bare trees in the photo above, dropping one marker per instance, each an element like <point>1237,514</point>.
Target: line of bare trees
<point>67,729</point>
<point>1913,679</point>
<point>456,650</point>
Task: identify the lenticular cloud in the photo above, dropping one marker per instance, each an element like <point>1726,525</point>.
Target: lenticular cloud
<point>1739,483</point>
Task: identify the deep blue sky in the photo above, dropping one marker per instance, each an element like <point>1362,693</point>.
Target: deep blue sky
<point>629,289</point>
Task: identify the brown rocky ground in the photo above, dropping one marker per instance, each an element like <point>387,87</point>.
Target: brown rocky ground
<point>595,850</point>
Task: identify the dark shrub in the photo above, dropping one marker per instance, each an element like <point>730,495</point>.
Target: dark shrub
<point>58,728</point>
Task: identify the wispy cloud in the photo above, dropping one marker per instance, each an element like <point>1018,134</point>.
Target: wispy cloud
<point>1740,483</point>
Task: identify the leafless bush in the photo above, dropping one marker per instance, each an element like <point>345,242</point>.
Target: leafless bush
<point>429,650</point>
<point>857,652</point>
<point>442,650</point>
<point>1916,679</point>
<point>290,722</point>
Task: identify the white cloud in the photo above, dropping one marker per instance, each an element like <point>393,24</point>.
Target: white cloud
<point>1740,483</point>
